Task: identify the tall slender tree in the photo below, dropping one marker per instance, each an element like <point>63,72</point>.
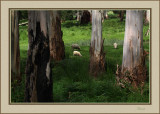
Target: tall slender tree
<point>38,70</point>
<point>105,14</point>
<point>147,19</point>
<point>79,15</point>
<point>121,15</point>
<point>15,51</point>
<point>133,66</point>
<point>86,17</point>
<point>97,56</point>
<point>57,51</point>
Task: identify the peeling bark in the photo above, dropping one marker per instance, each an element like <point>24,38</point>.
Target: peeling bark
<point>97,56</point>
<point>55,37</point>
<point>15,51</point>
<point>38,73</point>
<point>133,69</point>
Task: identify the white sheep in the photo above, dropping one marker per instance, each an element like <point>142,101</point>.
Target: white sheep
<point>115,45</point>
<point>76,53</point>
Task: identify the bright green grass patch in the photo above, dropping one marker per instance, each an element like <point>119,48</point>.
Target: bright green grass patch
<point>112,31</point>
<point>23,21</point>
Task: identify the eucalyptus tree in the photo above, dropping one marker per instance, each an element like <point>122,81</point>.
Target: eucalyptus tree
<point>147,21</point>
<point>147,16</point>
<point>133,64</point>
<point>105,14</point>
<point>79,15</point>
<point>38,70</point>
<point>121,15</point>
<point>97,55</point>
<point>15,51</point>
<point>57,51</point>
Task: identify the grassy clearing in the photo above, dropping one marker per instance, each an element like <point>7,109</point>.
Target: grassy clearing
<point>71,81</point>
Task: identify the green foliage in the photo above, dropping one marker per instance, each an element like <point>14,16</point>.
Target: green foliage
<point>67,14</point>
<point>71,79</point>
<point>23,14</point>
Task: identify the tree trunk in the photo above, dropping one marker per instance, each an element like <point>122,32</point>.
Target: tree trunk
<point>102,11</point>
<point>133,65</point>
<point>86,17</point>
<point>148,16</point>
<point>38,71</point>
<point>105,14</point>
<point>15,51</point>
<point>133,40</point>
<point>56,43</point>
<point>121,15</point>
<point>147,20</point>
<point>90,11</point>
<point>78,16</point>
<point>97,56</point>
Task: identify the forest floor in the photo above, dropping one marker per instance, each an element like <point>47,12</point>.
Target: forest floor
<point>71,79</point>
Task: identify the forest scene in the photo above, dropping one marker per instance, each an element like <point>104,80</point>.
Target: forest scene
<point>80,56</point>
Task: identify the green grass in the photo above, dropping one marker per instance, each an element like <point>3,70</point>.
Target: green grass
<point>71,80</point>
<point>23,20</point>
<point>72,83</point>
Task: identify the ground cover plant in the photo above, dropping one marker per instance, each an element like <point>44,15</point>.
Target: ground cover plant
<point>71,79</point>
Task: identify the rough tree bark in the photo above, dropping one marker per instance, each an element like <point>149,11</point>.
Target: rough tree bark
<point>55,37</point>
<point>133,65</point>
<point>38,71</point>
<point>86,17</point>
<point>15,51</point>
<point>97,56</point>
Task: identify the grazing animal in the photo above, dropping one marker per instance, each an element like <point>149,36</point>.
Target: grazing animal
<point>115,45</point>
<point>75,46</point>
<point>77,53</point>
